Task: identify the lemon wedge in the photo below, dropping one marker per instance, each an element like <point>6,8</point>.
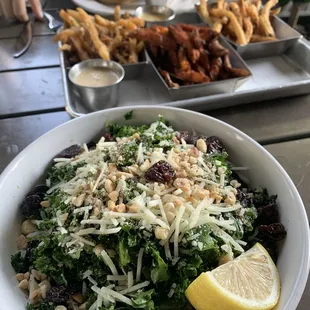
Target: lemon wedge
<point>249,282</point>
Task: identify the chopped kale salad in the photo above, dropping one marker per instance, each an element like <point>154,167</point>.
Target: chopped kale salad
<point>130,221</point>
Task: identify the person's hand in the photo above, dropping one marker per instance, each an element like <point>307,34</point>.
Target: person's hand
<point>17,9</point>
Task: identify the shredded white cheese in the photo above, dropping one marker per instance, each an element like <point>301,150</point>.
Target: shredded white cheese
<point>108,261</point>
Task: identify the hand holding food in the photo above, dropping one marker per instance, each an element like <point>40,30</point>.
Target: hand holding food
<point>85,37</point>
<point>243,21</point>
<point>187,54</point>
<point>18,9</point>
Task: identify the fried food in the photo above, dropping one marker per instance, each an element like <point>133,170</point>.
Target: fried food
<point>238,31</point>
<point>186,54</point>
<point>86,37</point>
<point>240,20</point>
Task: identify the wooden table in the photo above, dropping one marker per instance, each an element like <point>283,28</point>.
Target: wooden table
<point>32,103</point>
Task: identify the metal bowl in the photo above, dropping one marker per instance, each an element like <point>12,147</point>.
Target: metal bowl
<point>166,13</point>
<point>97,98</point>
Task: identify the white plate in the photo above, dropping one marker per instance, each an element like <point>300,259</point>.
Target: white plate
<point>29,166</point>
<point>94,7</point>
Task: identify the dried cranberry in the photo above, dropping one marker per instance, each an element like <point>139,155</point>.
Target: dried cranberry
<point>91,145</point>
<point>161,172</point>
<point>272,232</point>
<point>70,151</point>
<point>108,137</point>
<point>189,139</point>
<point>214,145</point>
<point>30,207</point>
<point>245,199</point>
<point>39,190</point>
<point>268,214</point>
<point>58,295</point>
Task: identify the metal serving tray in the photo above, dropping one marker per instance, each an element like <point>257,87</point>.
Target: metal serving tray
<point>212,88</point>
<point>272,77</point>
<point>285,34</point>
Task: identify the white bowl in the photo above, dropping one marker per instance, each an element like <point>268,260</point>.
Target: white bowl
<point>29,166</point>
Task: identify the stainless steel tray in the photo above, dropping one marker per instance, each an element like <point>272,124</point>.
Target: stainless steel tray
<point>212,88</point>
<point>272,77</point>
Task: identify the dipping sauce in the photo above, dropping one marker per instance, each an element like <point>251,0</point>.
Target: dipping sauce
<point>153,17</point>
<point>96,77</point>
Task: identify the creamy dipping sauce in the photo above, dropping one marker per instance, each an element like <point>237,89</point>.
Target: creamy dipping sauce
<point>153,17</point>
<point>96,77</point>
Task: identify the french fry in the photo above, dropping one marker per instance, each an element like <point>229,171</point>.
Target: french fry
<point>248,26</point>
<point>253,13</point>
<point>257,38</point>
<point>236,10</point>
<point>133,56</point>
<point>243,7</point>
<point>90,36</point>
<point>65,47</point>
<point>117,13</point>
<point>127,23</point>
<point>240,36</point>
<point>103,22</point>
<point>257,3</point>
<point>64,35</point>
<point>101,48</point>
<point>140,47</point>
<point>204,12</point>
<point>71,21</point>
<point>264,25</point>
<point>74,14</point>
<point>275,11</point>
<point>83,55</point>
<point>220,4</point>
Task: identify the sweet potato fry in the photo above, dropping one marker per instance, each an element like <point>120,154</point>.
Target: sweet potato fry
<point>173,57</point>
<point>216,49</point>
<point>204,60</point>
<point>234,23</point>
<point>155,38</point>
<point>168,79</point>
<point>182,38</point>
<point>207,34</point>
<point>184,63</point>
<point>160,29</point>
<point>236,72</point>
<point>215,67</point>
<point>197,41</point>
<point>192,76</point>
